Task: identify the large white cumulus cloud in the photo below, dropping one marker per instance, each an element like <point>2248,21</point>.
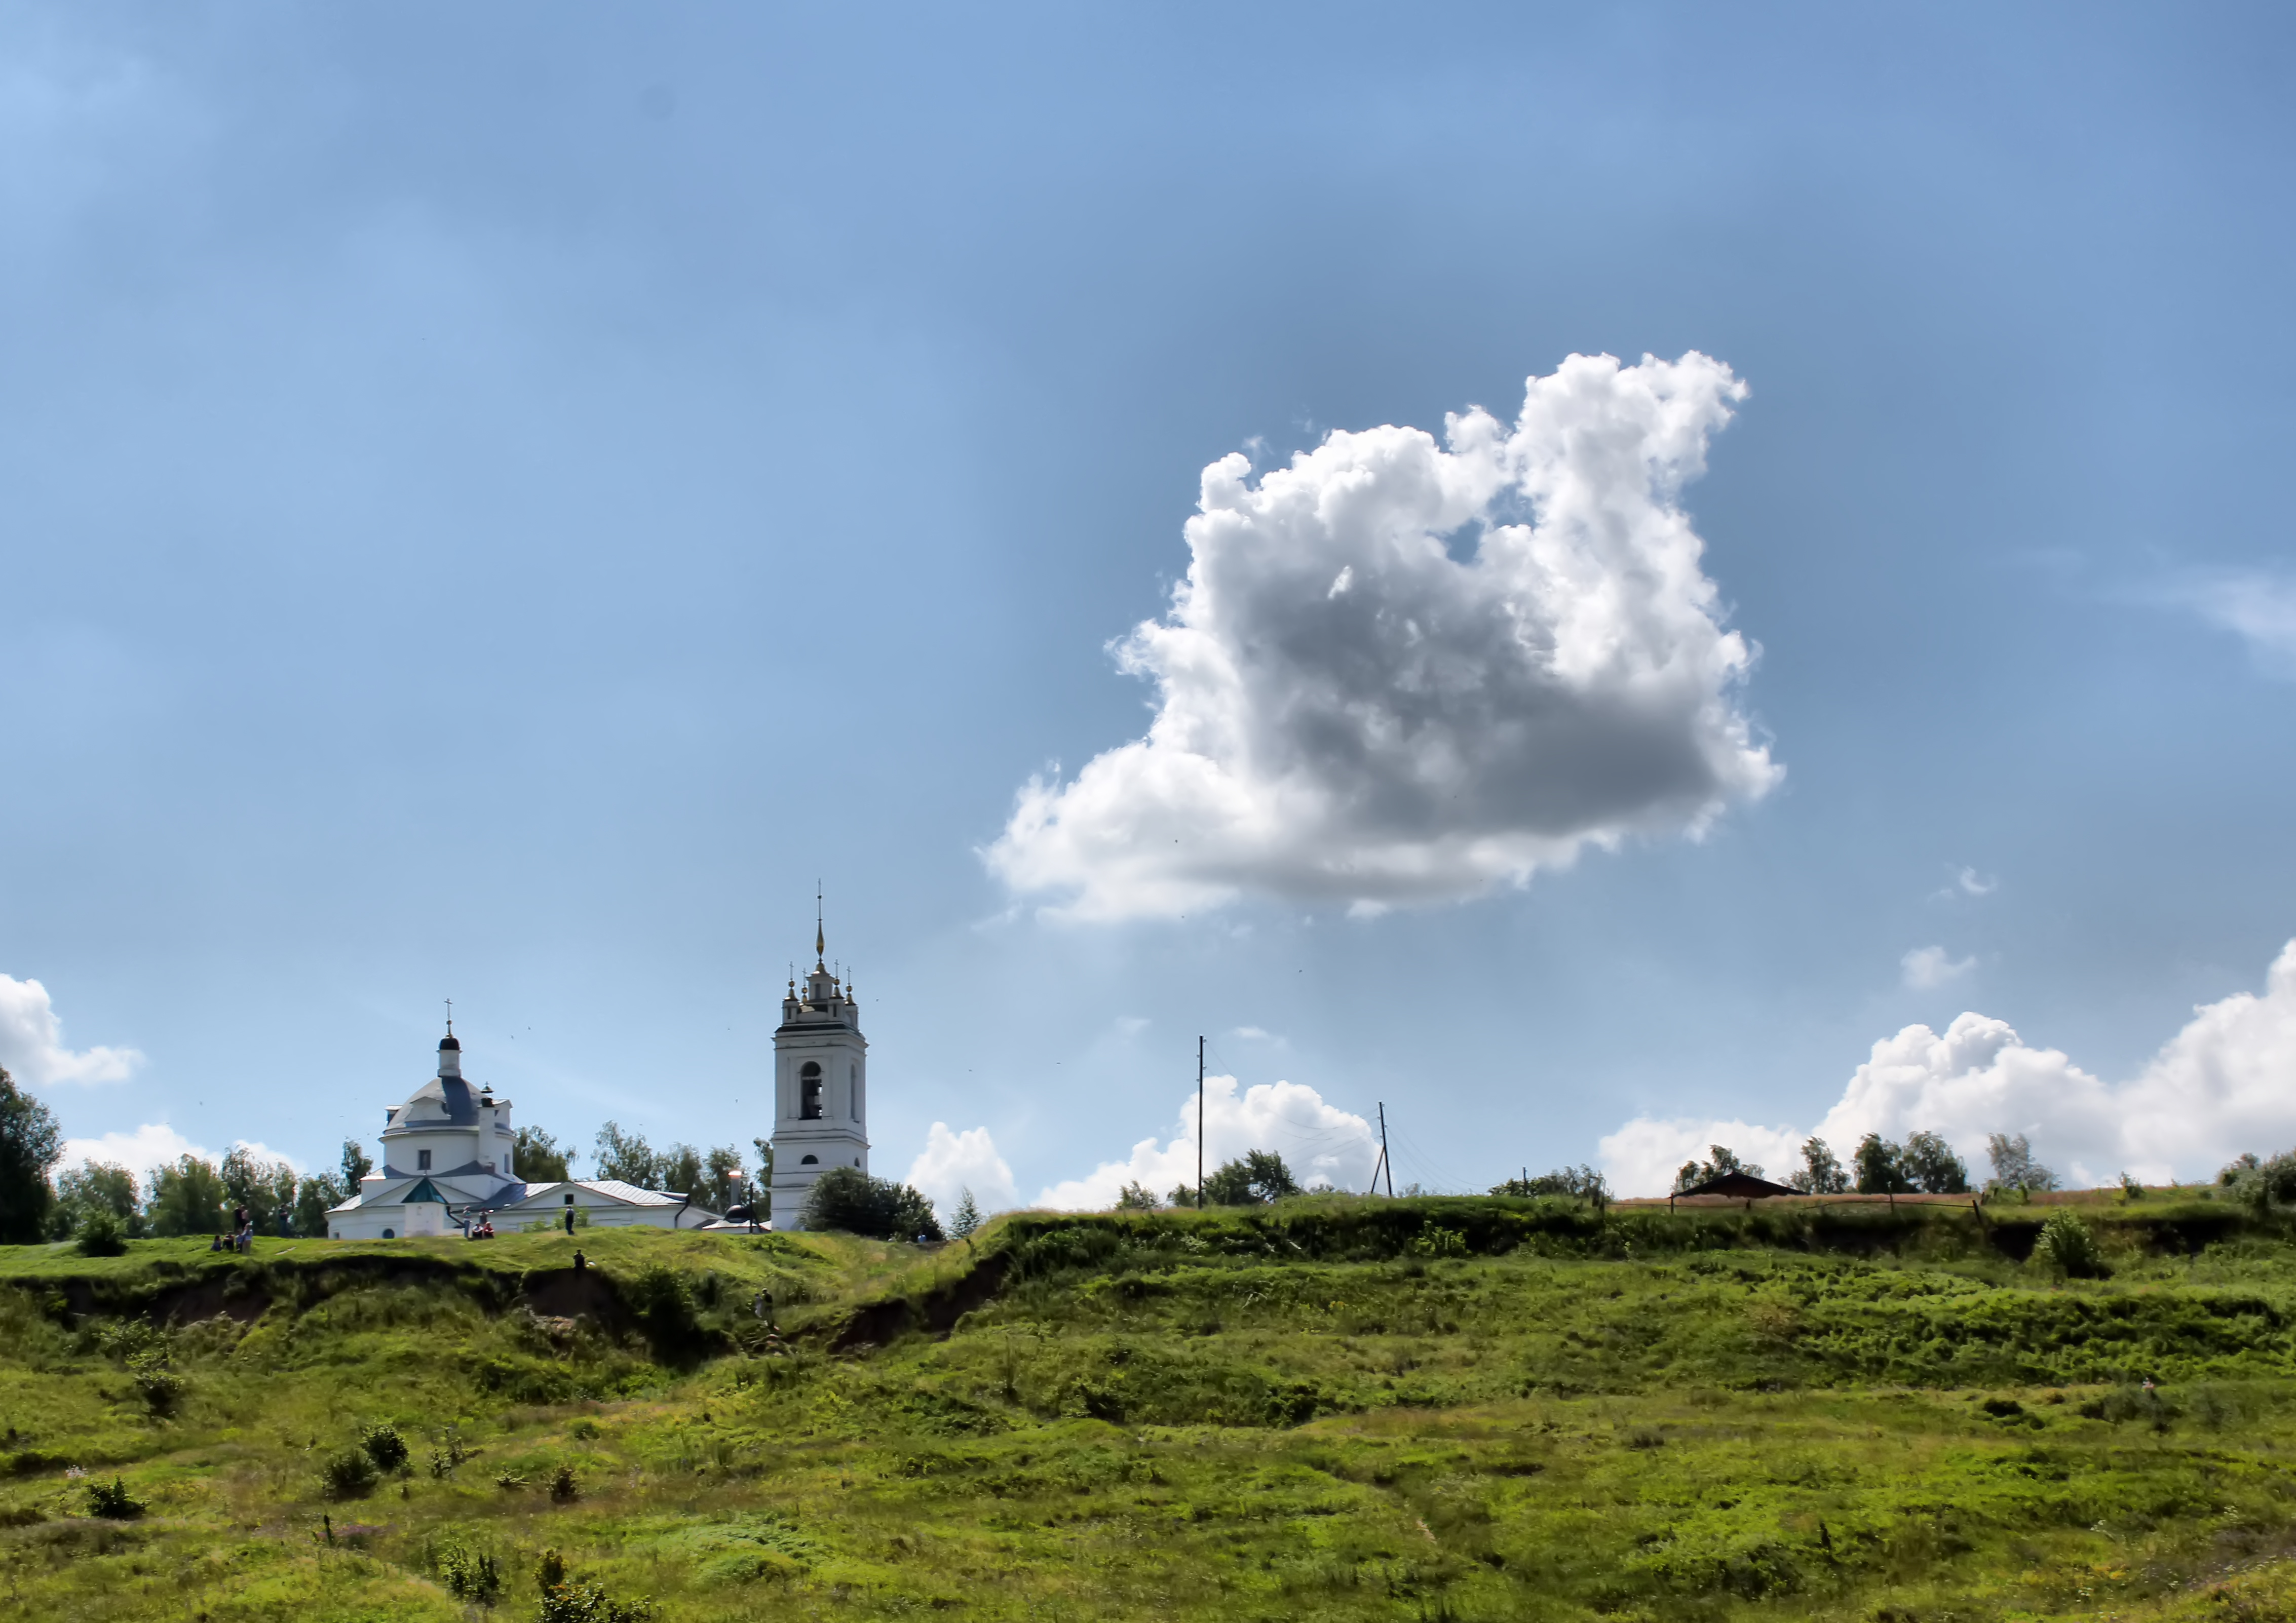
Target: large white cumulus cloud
<point>2220,1086</point>
<point>1321,1143</point>
<point>1402,669</point>
<point>32,1042</point>
<point>953,1162</point>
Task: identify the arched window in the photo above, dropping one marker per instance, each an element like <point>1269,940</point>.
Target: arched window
<point>808,1090</point>
<point>809,1160</point>
<point>853,1090</point>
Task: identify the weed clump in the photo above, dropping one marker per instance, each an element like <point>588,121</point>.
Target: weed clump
<point>349,1474</point>
<point>2070,1246</point>
<point>563,1488</point>
<point>569,1600</point>
<point>161,1388</point>
<point>469,1574</point>
<point>384,1446</point>
<point>112,1501</point>
<point>102,1236</point>
<point>1435,1241</point>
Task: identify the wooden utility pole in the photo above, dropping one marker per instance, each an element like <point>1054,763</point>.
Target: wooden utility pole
<point>1385,1159</point>
<point>1199,1124</point>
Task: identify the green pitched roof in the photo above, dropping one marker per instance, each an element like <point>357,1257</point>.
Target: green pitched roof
<point>422,1191</point>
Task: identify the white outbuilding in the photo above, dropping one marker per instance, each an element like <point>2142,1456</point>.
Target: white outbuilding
<point>448,1157</point>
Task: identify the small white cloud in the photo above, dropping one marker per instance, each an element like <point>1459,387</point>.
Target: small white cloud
<point>953,1162</point>
<point>152,1145</point>
<point>1321,1144</point>
<point>1972,885</point>
<point>2217,1088</point>
<point>1927,968</point>
<point>1253,1033</point>
<point>1349,711</point>
<point>2261,608</point>
<point>1130,1025</point>
<point>32,1042</point>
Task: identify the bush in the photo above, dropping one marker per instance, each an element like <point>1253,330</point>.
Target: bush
<point>2069,1245</point>
<point>849,1199</point>
<point>162,1389</point>
<point>588,1603</point>
<point>384,1446</point>
<point>1435,1241</point>
<point>470,1575</point>
<point>563,1488</point>
<point>102,1236</point>
<point>349,1474</point>
<point>113,1501</point>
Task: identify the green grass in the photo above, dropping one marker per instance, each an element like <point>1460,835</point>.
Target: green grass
<point>1334,1408</point>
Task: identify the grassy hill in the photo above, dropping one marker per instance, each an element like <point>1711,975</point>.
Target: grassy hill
<point>1330,1408</point>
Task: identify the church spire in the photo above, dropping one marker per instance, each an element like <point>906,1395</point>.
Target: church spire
<point>820,940</point>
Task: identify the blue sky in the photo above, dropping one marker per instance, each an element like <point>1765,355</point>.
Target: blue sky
<point>498,504</point>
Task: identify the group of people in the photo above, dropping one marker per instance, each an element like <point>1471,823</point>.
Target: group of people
<point>241,1237</point>
<point>484,1228</point>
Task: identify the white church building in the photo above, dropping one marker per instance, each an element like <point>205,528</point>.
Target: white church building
<point>820,1087</point>
<point>447,1156</point>
<point>447,1152</point>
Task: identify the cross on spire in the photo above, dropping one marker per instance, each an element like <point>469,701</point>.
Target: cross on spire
<point>450,1017</point>
<point>820,938</point>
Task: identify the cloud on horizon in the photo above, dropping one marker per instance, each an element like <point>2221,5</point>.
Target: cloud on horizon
<point>1403,671</point>
<point>32,1042</point>
<point>953,1162</point>
<point>154,1145</point>
<point>2217,1088</point>
<point>1320,1143</point>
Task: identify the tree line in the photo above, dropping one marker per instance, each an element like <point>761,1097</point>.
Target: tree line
<point>1924,1164</point>
<point>192,1195</point>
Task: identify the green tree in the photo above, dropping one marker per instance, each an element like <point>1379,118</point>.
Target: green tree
<point>680,1171</point>
<point>1820,1173</point>
<point>315,1197</point>
<point>1724,1161</point>
<point>1580,1183</point>
<point>355,1166</point>
<point>627,1158</point>
<point>535,1156</point>
<point>2015,1167</point>
<point>188,1197</point>
<point>761,1193</point>
<point>1933,1167</point>
<point>91,1187</point>
<point>266,1189</point>
<point>849,1199</point>
<point>1132,1197</point>
<point>967,1217</point>
<point>1881,1167</point>
<point>724,1181</point>
<point>1253,1179</point>
<point>29,1144</point>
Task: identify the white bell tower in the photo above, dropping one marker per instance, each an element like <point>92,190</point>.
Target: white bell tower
<point>820,1087</point>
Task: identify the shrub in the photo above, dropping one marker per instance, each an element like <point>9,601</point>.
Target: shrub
<point>102,1236</point>
<point>162,1389</point>
<point>349,1474</point>
<point>1435,1241</point>
<point>384,1446</point>
<point>2069,1245</point>
<point>849,1199</point>
<point>563,1488</point>
<point>112,1501</point>
<point>2130,1188</point>
<point>470,1574</point>
<point>588,1603</point>
<point>663,1304</point>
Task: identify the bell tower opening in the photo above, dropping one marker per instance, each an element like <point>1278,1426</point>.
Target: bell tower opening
<point>808,1088</point>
